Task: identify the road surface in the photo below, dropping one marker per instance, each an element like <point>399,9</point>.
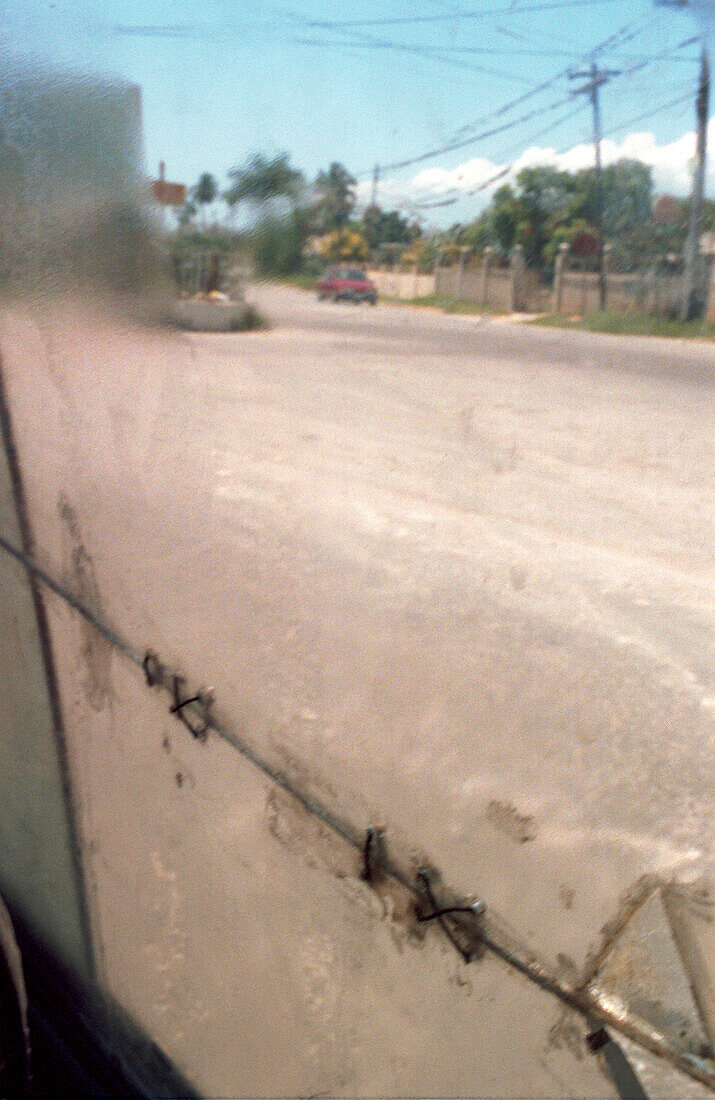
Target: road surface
<point>453,574</point>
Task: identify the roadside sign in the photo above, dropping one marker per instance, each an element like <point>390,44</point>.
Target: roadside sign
<point>168,194</point>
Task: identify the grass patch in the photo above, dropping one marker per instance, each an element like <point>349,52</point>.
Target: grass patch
<point>300,280</point>
<point>631,324</point>
<point>440,301</point>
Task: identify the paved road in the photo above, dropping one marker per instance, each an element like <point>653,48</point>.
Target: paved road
<point>506,582</point>
<point>497,337</point>
<point>454,575</point>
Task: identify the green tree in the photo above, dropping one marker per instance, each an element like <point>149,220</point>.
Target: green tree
<point>506,216</point>
<point>264,182</point>
<point>544,198</point>
<point>335,191</point>
<point>546,206</point>
<point>273,190</point>
<point>203,193</point>
<point>381,227</point>
<point>205,190</point>
<point>627,188</point>
<point>278,243</point>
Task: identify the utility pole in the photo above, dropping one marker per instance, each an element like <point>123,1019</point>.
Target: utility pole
<point>693,303</point>
<point>375,181</point>
<point>693,289</point>
<point>595,78</point>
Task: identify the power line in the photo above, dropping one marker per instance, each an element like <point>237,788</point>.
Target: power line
<point>461,143</point>
<point>364,42</point>
<point>525,144</point>
<point>465,142</point>
<point>649,113</point>
<point>431,53</point>
<point>660,56</point>
<point>551,52</point>
<point>499,51</point>
<point>625,34</point>
<point>613,130</point>
<point>405,47</point>
<point>480,13</point>
<point>508,169</point>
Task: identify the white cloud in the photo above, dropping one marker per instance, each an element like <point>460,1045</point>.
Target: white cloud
<point>670,163</point>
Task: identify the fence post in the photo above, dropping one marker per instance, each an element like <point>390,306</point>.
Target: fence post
<point>486,265</point>
<point>710,299</point>
<point>460,272</point>
<point>607,260</point>
<point>559,272</point>
<point>656,288</point>
<point>517,277</point>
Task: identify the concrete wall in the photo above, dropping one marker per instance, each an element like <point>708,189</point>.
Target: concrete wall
<point>403,284</point>
<point>648,291</point>
<point>483,282</point>
<point>518,289</point>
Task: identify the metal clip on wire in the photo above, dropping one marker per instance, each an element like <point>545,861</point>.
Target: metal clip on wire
<point>200,702</point>
<point>464,918</point>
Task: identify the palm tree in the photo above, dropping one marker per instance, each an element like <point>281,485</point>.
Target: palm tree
<point>263,181</point>
<point>204,191</point>
<point>336,196</point>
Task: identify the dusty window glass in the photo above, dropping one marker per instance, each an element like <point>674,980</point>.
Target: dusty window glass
<point>359,670</point>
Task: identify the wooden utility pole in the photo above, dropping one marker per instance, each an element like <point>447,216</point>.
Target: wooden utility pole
<point>694,293</point>
<point>375,181</point>
<point>693,288</point>
<point>595,78</point>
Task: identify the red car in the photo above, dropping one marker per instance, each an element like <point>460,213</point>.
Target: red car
<point>346,282</point>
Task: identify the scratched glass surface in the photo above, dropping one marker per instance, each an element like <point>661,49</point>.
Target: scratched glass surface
<point>375,539</point>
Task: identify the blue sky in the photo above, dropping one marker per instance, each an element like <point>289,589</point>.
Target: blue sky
<point>224,78</point>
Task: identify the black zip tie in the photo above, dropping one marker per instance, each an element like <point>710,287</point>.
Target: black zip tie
<point>597,1039</point>
<point>475,911</point>
<point>373,854</point>
<point>152,668</point>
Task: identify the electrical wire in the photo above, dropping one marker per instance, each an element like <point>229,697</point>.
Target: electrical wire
<point>686,98</point>
<point>493,934</point>
<point>506,171</point>
<point>501,51</point>
<point>622,35</point>
<point>467,141</point>
<point>533,137</point>
<point>364,42</point>
<point>479,13</point>
<point>432,54</point>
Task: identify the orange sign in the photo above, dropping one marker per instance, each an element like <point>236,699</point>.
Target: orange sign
<point>168,194</point>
